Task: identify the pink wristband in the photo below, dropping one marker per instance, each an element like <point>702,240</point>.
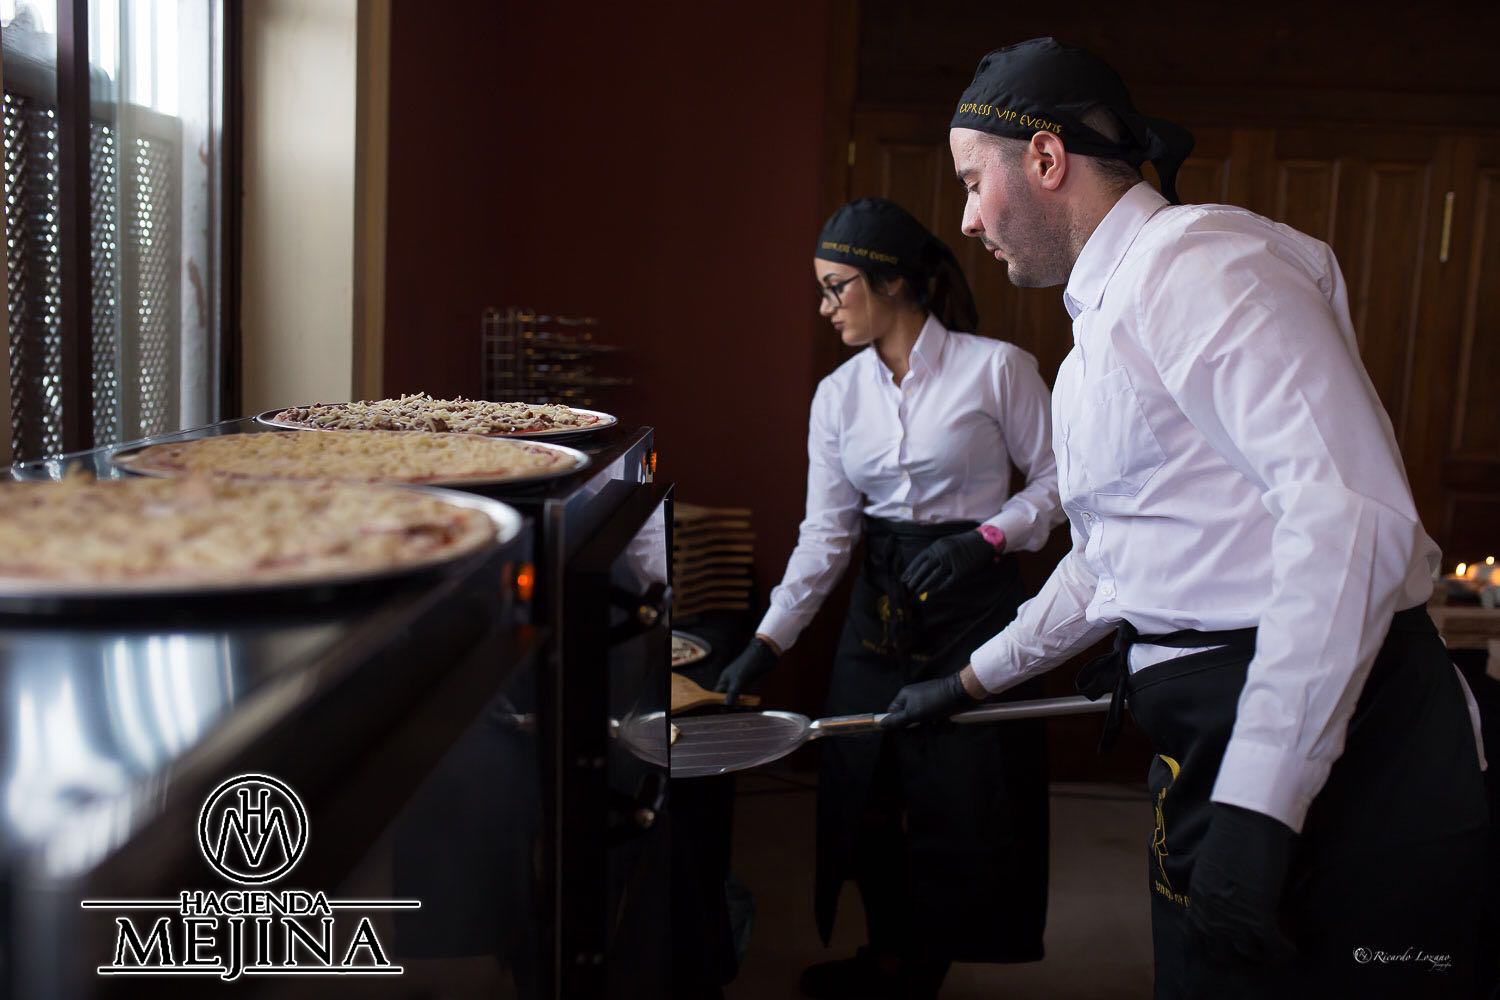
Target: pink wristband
<point>994,536</point>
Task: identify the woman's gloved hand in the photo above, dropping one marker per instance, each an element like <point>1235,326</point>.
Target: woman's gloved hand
<point>947,561</point>
<point>753,663</point>
<point>1238,876</point>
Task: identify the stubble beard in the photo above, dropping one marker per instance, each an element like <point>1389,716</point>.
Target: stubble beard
<point>1037,241</point>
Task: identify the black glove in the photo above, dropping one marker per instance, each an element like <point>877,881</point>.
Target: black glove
<point>1236,887</point>
<point>753,663</point>
<point>927,701</point>
<point>947,561</point>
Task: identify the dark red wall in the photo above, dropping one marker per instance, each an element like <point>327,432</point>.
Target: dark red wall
<point>657,166</point>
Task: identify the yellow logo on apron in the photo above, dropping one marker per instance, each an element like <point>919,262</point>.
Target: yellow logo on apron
<point>1159,837</point>
<point>887,612</point>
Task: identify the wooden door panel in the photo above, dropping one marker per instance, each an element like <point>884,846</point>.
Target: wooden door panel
<point>1307,196</point>
<point>1471,467</point>
<point>1204,181</point>
<point>1371,196</point>
<point>1387,284</point>
<point>910,176</point>
<point>1477,418</point>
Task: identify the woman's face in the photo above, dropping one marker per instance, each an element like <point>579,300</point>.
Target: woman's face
<point>858,313</point>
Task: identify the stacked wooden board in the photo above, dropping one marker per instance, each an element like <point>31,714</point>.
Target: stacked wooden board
<point>713,549</point>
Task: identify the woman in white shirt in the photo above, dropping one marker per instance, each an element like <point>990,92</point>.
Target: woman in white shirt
<point>911,444</point>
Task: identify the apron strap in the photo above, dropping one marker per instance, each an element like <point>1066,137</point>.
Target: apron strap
<point>1106,675</point>
<point>1109,674</point>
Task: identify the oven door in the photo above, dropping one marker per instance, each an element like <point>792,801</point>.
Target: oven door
<point>612,846</point>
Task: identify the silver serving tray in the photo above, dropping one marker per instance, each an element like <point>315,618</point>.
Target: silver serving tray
<point>506,519</point>
<point>120,458</point>
<point>704,649</point>
<point>268,418</point>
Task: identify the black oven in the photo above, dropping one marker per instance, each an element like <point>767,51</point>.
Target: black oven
<point>488,741</point>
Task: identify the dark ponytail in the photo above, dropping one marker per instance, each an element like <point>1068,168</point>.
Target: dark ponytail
<point>937,284</point>
<point>948,294</point>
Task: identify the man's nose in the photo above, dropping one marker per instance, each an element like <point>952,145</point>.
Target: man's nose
<point>971,225</point>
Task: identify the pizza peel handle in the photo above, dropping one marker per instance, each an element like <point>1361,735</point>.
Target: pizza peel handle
<point>1034,709</point>
<point>720,744</point>
<point>854,725</point>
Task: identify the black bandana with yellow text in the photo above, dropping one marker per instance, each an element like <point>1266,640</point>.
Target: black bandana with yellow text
<point>1042,85</point>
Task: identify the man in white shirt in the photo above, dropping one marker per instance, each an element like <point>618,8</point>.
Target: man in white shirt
<point>1241,520</point>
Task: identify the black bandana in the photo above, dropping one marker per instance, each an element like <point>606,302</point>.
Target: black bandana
<point>876,232</point>
<point>1043,85</point>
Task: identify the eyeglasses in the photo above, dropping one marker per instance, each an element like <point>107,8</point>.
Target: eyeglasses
<point>833,293</point>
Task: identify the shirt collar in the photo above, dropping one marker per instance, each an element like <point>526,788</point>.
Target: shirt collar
<point>1106,247</point>
<point>928,350</point>
<point>926,353</point>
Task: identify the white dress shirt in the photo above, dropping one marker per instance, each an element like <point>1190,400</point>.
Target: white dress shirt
<point>937,447</point>
<point>1224,462</point>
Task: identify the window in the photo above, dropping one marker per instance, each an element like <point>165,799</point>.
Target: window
<point>114,269</point>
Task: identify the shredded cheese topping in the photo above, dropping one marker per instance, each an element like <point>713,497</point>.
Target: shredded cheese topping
<point>353,456</point>
<point>420,412</point>
<point>201,531</point>
<point>685,651</point>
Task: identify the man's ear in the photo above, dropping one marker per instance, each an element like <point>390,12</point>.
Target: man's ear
<point>1049,160</point>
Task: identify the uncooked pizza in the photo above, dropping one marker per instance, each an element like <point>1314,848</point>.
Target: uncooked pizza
<point>357,456</point>
<point>420,412</point>
<point>156,534</point>
<point>685,650</point>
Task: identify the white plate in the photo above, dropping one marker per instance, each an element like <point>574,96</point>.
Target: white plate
<point>268,418</point>
<point>121,458</point>
<point>506,519</point>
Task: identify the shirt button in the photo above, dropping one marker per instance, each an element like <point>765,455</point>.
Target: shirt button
<point>1087,516</point>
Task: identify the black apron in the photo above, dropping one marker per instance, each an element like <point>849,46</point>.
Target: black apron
<point>1383,895</point>
<point>952,819</point>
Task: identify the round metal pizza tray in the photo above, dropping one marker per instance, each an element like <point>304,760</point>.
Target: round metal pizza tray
<point>703,649</point>
<point>43,595</point>
<point>268,418</point>
<point>121,458</point>
<point>645,736</point>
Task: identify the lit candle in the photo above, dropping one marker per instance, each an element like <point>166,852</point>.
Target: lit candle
<point>1462,584</point>
<point>1485,573</point>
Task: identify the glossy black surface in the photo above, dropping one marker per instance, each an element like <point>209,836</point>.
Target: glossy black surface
<point>413,715</point>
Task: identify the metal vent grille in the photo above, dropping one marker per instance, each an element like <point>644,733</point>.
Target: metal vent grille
<point>134,239</point>
<point>34,281</point>
<point>152,235</point>
<point>104,247</point>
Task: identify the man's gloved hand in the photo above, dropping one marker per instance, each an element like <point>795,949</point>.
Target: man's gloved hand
<point>947,561</point>
<point>928,701</point>
<point>753,663</point>
<point>1238,876</point>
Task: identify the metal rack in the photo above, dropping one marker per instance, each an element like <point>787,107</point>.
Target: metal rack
<point>535,358</point>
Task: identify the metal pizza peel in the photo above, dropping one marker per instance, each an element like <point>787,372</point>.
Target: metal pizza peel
<point>719,744</point>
